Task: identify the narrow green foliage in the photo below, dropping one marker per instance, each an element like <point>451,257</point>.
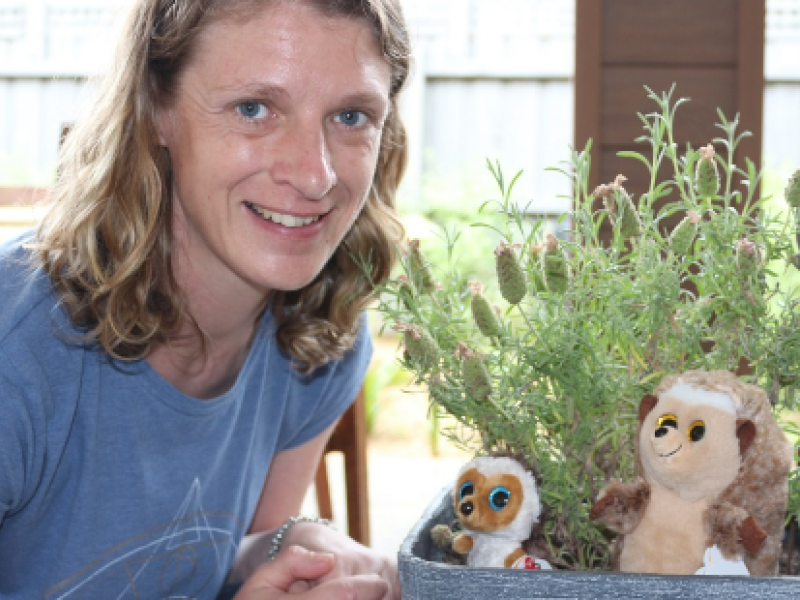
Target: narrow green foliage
<point>406,292</point>
<point>420,270</point>
<point>510,276</point>
<point>536,277</point>
<point>706,180</point>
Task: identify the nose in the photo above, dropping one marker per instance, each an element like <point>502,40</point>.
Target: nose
<point>661,432</point>
<point>304,162</point>
<point>465,508</point>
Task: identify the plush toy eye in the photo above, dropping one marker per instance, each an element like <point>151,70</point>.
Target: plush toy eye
<point>667,421</point>
<point>499,497</point>
<point>467,489</point>
<point>696,431</point>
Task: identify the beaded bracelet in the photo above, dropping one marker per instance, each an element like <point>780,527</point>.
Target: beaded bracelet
<point>277,538</point>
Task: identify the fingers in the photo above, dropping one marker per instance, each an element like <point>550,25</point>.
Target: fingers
<point>363,561</point>
<point>392,576</point>
<point>292,564</point>
<point>301,585</point>
<point>356,587</point>
<point>297,571</point>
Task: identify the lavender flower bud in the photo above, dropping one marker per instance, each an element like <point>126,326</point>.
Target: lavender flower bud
<point>684,233</point>
<point>510,276</point>
<point>706,178</point>
<point>793,190</point>
<point>482,313</point>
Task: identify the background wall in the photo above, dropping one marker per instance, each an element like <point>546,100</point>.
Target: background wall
<point>492,80</point>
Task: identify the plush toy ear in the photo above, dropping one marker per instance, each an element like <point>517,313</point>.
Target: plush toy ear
<point>647,404</point>
<point>746,432</point>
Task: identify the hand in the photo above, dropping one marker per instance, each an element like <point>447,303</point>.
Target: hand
<point>352,559</point>
<point>300,573</point>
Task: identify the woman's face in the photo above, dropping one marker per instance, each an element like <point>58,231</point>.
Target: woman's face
<point>273,134</point>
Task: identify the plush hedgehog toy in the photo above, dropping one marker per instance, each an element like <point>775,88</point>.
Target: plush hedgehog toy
<point>712,496</point>
<point>497,504</point>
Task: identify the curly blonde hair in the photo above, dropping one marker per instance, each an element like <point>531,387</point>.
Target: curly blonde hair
<point>106,241</point>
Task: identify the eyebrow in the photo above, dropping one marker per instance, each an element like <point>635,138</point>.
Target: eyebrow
<point>255,90</point>
<point>360,98</point>
<point>258,90</point>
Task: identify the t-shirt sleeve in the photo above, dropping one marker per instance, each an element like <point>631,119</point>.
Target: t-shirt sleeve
<point>319,401</point>
<point>18,452</point>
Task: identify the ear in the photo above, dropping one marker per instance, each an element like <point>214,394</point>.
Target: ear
<point>746,432</point>
<point>647,404</point>
<point>163,124</point>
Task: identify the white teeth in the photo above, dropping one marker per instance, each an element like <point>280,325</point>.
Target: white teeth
<point>281,219</point>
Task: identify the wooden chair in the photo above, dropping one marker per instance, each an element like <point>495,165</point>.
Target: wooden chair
<point>350,438</point>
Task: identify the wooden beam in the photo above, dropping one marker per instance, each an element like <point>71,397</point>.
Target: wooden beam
<point>750,84</point>
<point>588,90</point>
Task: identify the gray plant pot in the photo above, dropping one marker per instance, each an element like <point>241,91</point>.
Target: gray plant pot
<point>424,577</point>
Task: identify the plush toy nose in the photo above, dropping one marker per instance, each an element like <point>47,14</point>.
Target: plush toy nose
<point>465,508</point>
<point>661,432</point>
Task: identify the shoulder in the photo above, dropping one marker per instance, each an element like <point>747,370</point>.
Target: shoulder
<point>21,293</point>
<point>313,402</point>
<point>36,338</point>
<point>26,295</point>
<point>354,360</point>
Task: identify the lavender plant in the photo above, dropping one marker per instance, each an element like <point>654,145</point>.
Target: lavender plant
<point>583,327</point>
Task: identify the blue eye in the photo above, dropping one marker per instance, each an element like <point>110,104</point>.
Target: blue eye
<point>351,118</point>
<point>499,498</point>
<point>252,110</point>
<point>467,489</point>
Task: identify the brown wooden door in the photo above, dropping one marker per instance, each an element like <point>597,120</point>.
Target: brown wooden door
<point>713,50</point>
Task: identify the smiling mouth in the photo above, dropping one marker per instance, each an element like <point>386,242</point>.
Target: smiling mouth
<point>281,219</point>
<point>668,454</point>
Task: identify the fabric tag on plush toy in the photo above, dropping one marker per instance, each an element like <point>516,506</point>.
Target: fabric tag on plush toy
<point>716,564</point>
<point>532,564</point>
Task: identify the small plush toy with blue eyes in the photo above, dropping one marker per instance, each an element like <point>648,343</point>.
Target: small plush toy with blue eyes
<point>497,504</point>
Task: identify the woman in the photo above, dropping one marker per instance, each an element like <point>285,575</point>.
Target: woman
<point>181,334</point>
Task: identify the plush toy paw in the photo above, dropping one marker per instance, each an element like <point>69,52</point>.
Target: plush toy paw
<point>442,536</point>
<point>621,505</point>
<point>752,535</point>
<point>731,528</point>
<point>462,543</point>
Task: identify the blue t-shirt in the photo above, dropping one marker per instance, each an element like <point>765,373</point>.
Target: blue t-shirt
<point>113,484</point>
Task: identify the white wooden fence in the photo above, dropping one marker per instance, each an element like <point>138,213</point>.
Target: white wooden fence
<point>492,80</point>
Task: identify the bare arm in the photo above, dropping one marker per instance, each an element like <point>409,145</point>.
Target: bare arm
<point>288,480</point>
